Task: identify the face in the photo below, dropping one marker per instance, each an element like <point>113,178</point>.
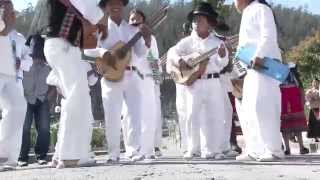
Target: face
<point>200,24</point>
<point>114,8</point>
<point>315,83</point>
<point>241,4</point>
<point>135,19</point>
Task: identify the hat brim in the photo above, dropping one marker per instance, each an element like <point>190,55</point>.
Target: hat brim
<point>219,25</point>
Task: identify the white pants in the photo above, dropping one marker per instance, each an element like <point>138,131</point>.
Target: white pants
<point>158,133</point>
<point>149,116</point>
<point>14,109</point>
<point>181,106</point>
<point>75,115</point>
<point>260,115</point>
<point>207,96</point>
<point>113,96</point>
<point>227,123</point>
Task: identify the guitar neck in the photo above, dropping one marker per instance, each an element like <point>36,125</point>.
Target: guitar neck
<point>132,41</point>
<point>202,57</point>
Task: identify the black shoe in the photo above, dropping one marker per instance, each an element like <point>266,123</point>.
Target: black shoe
<point>22,163</point>
<point>287,152</point>
<point>236,148</point>
<point>316,139</point>
<point>157,152</point>
<point>304,150</point>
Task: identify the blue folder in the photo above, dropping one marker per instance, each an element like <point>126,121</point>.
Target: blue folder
<point>272,67</point>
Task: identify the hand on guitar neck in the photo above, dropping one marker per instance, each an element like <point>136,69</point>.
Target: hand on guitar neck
<point>146,34</point>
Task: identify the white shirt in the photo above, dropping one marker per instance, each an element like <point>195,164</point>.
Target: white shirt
<point>22,52</point>
<point>89,9</point>
<point>194,43</point>
<point>144,64</point>
<point>258,29</point>
<point>7,65</point>
<point>124,32</point>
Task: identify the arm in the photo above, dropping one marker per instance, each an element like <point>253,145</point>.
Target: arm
<point>182,48</point>
<point>89,9</point>
<point>268,30</point>
<point>221,59</point>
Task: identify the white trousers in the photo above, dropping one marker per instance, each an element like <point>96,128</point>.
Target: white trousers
<point>75,117</point>
<point>206,96</point>
<point>113,96</point>
<point>181,106</point>
<point>158,134</point>
<point>14,107</point>
<point>149,115</point>
<point>228,114</point>
<point>260,115</point>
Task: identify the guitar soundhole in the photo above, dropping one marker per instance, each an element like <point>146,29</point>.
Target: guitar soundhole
<point>121,53</point>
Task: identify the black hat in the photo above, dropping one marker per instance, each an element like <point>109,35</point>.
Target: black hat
<point>205,9</point>
<point>103,3</point>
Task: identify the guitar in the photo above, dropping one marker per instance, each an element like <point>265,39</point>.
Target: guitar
<point>122,51</point>
<point>193,60</point>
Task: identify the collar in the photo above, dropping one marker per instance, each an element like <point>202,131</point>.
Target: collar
<point>196,37</point>
<point>111,23</point>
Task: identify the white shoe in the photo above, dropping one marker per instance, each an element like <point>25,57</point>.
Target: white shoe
<point>149,159</point>
<point>207,156</point>
<point>137,157</point>
<point>230,153</point>
<point>112,160</point>
<point>268,158</point>
<point>245,157</point>
<point>219,156</point>
<point>89,162</point>
<point>188,155</point>
<point>157,152</point>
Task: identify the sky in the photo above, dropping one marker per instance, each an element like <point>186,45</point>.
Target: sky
<point>312,5</point>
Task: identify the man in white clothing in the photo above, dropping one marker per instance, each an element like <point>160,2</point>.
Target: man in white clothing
<point>204,91</point>
<point>126,90</point>
<point>261,102</point>
<point>12,101</point>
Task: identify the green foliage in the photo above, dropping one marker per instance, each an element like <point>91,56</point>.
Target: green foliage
<point>307,56</point>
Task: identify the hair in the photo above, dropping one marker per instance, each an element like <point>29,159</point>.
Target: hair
<point>102,4</point>
<point>138,11</point>
<point>262,2</point>
<point>37,51</point>
<point>316,79</point>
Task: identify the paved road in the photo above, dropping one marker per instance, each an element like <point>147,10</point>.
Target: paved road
<point>172,166</point>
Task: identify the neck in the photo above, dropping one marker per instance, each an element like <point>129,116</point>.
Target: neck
<point>203,35</point>
<point>117,20</point>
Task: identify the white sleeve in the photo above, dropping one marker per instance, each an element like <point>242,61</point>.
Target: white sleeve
<point>221,62</point>
<point>154,47</point>
<point>98,52</point>
<point>268,31</point>
<point>182,48</point>
<point>89,9</point>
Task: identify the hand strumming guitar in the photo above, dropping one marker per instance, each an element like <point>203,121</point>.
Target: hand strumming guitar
<point>183,66</point>
<point>107,58</point>
<point>195,76</point>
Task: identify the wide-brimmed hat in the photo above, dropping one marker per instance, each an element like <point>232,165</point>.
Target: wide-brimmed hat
<point>205,9</point>
<point>102,3</point>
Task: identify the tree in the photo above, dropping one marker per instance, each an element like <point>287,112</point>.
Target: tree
<point>307,56</point>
